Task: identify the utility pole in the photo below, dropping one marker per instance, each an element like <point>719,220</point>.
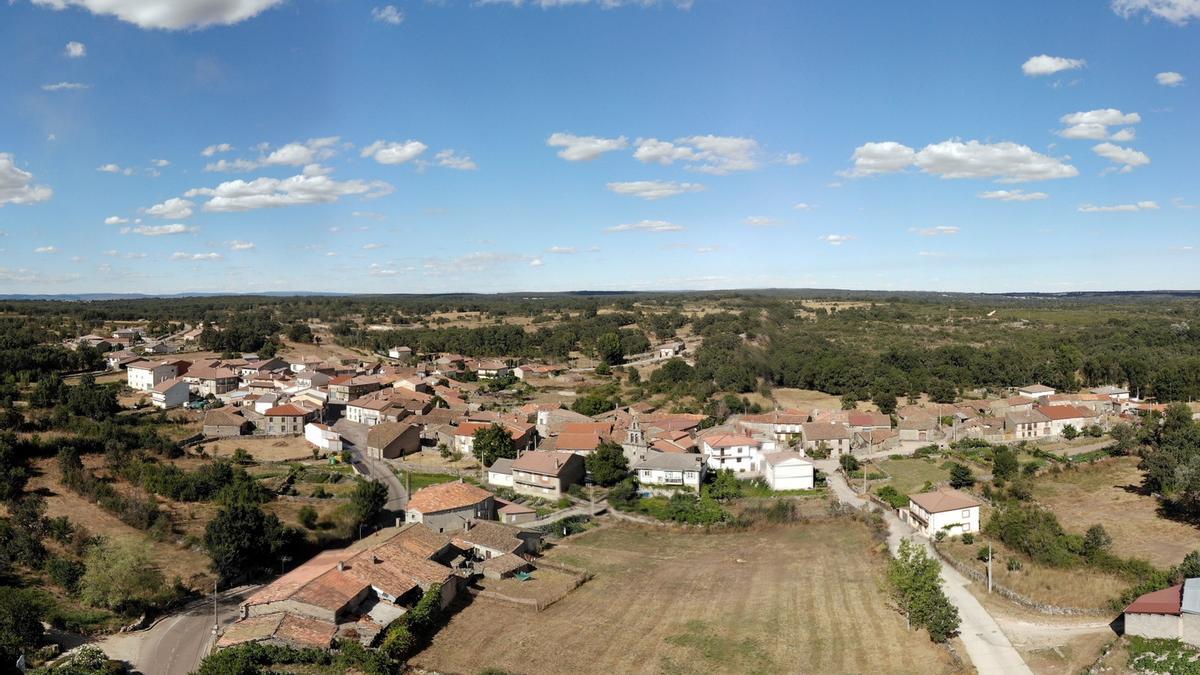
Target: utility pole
<point>216,620</point>
<point>989,567</point>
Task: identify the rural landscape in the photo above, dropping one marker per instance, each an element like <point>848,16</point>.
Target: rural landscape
<point>573,337</point>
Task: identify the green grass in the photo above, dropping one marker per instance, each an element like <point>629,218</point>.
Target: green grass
<point>709,647</point>
<point>1163,656</point>
<point>415,481</point>
<point>909,475</point>
<point>754,488</point>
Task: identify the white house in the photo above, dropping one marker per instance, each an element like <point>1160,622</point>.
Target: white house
<point>491,369</point>
<point>500,473</point>
<point>941,510</point>
<point>671,469</point>
<point>145,375</point>
<point>1114,392</point>
<point>670,349</point>
<point>1036,391</point>
<point>170,393</point>
<point>1062,415</point>
<point>323,437</point>
<point>740,454</point>
<point>1170,614</point>
<point>788,471</point>
<point>400,352</point>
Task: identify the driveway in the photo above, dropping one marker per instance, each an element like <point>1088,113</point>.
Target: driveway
<point>354,436</point>
<point>990,650</point>
<point>176,644</point>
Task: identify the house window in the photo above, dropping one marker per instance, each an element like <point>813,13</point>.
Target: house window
<point>966,514</point>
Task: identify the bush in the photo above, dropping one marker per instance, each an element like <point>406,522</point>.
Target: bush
<point>65,573</point>
<point>968,538</point>
<point>849,463</point>
<point>892,496</point>
<point>308,517</point>
<point>1013,565</point>
<point>983,554</point>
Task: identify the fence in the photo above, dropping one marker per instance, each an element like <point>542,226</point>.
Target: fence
<point>1044,608</point>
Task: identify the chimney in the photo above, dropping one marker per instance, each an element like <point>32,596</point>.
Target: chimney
<point>399,521</point>
<point>466,526</point>
<point>341,566</point>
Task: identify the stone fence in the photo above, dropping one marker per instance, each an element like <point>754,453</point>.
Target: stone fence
<point>1044,608</point>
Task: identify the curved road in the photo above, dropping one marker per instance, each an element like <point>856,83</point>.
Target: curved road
<point>991,652</point>
<point>354,435</point>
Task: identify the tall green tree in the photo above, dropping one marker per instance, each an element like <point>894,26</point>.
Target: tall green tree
<point>367,500</point>
<point>917,589</point>
<point>21,612</point>
<point>120,575</point>
<point>244,542</point>
<point>607,464</point>
<point>494,442</point>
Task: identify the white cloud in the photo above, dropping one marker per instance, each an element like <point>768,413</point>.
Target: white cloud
<point>450,160</point>
<point>1178,12</point>
<point>1169,79</point>
<point>65,86</point>
<point>263,193</point>
<point>1013,195</point>
<point>160,162</point>
<point>802,206</point>
<point>296,153</point>
<point>389,14</point>
<point>158,230</point>
<point>794,159</point>
<point>180,255</point>
<point>113,253</point>
<point>16,186</point>
<point>372,246</point>
<point>231,165</point>
<point>717,155</point>
<point>237,245</point>
<point>1094,124</point>
<point>1127,157</point>
<point>394,153</point>
<point>836,239</point>
<point>646,226</point>
<point>562,250</point>
<point>216,149</point>
<point>1124,135</point>
<point>115,220</point>
<point>584,148</point>
<point>1007,162</point>
<point>75,50</point>
<point>170,14</point>
<point>115,168</point>
<point>46,249</point>
<point>653,189</point>
<point>535,262</point>
<point>172,209</point>
<point>1048,65</point>
<point>936,231</point>
<point>761,221</point>
<point>1119,208</point>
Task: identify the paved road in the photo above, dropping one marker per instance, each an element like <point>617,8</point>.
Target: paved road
<point>355,436</point>
<point>989,648</point>
<point>176,644</point>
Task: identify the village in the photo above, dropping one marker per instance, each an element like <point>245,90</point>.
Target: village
<point>478,527</point>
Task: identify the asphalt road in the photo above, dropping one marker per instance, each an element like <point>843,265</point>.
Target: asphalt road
<point>354,435</point>
<point>178,643</point>
<point>991,652</point>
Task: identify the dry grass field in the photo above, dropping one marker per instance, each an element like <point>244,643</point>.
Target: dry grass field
<point>1109,493</point>
<point>804,598</point>
<point>262,449</point>
<point>806,399</point>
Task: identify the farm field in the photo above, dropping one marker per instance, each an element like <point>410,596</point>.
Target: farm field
<point>1109,493</point>
<point>261,448</point>
<point>805,399</point>
<point>910,475</point>
<point>806,599</point>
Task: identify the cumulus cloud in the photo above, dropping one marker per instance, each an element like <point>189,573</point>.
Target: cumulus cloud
<point>46,249</point>
<point>115,220</point>
<point>296,153</point>
<point>237,245</point>
<point>115,168</point>
<point>835,239</point>
<point>75,50</point>
<point>1048,65</point>
<point>562,250</point>
<point>936,231</point>
<point>216,149</point>
<point>1128,158</point>
<point>1178,12</point>
<point>1119,208</point>
<point>160,163</point>
<point>65,86</point>
<point>794,159</point>
<point>158,230</point>
<point>1013,195</point>
<point>1124,135</point>
<point>1007,162</point>
<point>584,148</point>
<point>718,155</point>
<point>386,152</point>
<point>646,226</point>
<point>653,189</point>
<point>388,14</point>
<point>311,187</point>
<point>16,185</point>
<point>172,209</point>
<point>535,262</point>
<point>180,255</point>
<point>450,160</point>
<point>170,14</point>
<point>1169,79</point>
<point>761,221</point>
<point>372,246</point>
<point>802,206</point>
<point>1094,124</point>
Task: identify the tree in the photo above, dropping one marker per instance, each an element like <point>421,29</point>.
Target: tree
<point>21,612</point>
<point>244,541</point>
<point>961,476</point>
<point>120,575</point>
<point>1004,462</point>
<point>917,589</point>
<point>1125,437</point>
<point>13,472</point>
<point>367,500</point>
<point>494,442</point>
<point>609,349</point>
<point>849,463</point>
<point>624,495</point>
<point>607,463</point>
<point>941,391</point>
<point>725,486</point>
<point>849,401</point>
<point>308,516</point>
<point>885,401</point>
<point>1096,541</point>
<point>1070,433</point>
<point>299,332</point>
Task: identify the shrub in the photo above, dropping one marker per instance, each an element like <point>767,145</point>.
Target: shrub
<point>308,517</point>
<point>968,538</point>
<point>1013,565</point>
<point>983,554</point>
<point>65,573</point>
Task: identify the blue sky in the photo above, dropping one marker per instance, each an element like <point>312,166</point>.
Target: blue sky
<point>607,144</point>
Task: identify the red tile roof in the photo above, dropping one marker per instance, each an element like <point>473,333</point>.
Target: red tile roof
<point>945,499</point>
<point>286,410</point>
<point>1166,601</point>
<point>446,497</point>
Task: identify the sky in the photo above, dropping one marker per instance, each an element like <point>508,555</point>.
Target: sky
<point>163,146</point>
